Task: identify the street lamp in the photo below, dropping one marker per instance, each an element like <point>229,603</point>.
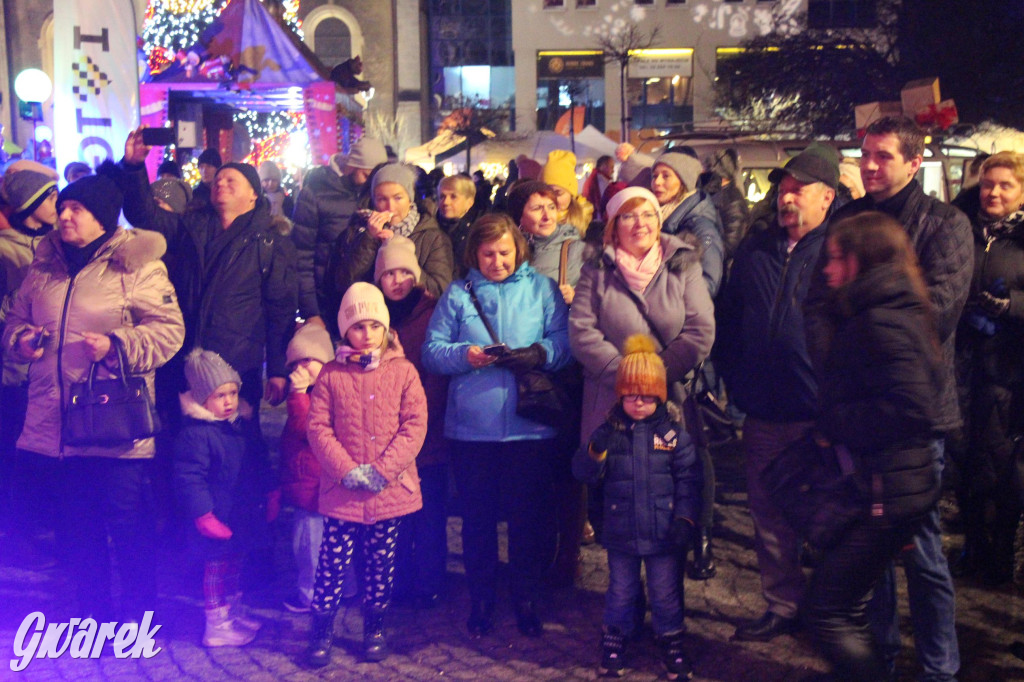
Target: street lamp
<point>33,87</point>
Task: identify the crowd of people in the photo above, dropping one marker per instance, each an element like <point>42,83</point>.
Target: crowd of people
<point>408,320</point>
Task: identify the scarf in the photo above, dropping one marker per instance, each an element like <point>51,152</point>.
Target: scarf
<point>368,361</point>
<point>78,257</point>
<point>667,209</point>
<point>406,227</point>
<point>995,228</point>
<point>29,232</point>
<point>638,272</point>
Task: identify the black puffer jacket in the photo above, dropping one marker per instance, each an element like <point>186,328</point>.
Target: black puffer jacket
<point>881,374</point>
<point>732,210</point>
<point>322,212</point>
<point>236,287</point>
<point>941,237</point>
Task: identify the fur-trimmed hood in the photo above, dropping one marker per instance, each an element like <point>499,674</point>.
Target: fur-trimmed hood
<point>191,408</point>
<point>128,249</point>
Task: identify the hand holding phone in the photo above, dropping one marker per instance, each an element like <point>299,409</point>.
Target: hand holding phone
<point>496,350</point>
<point>157,137</point>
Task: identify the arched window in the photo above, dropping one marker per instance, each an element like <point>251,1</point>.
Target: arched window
<point>333,41</point>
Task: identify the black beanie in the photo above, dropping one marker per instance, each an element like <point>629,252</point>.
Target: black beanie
<point>100,195</point>
<point>211,157</point>
<point>520,194</point>
<point>249,172</point>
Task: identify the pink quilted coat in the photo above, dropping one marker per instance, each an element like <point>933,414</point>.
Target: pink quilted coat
<point>377,417</point>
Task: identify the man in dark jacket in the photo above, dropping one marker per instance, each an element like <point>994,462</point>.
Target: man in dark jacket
<point>235,281</point>
<point>762,354</point>
<point>329,196</point>
<point>891,154</point>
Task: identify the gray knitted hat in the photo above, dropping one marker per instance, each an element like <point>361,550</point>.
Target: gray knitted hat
<point>207,371</point>
<point>686,167</point>
<point>367,153</point>
<point>397,173</point>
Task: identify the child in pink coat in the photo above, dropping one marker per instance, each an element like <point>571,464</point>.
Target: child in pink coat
<point>367,422</point>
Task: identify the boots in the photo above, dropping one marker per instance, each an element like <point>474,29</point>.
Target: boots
<point>703,566</point>
<point>222,630</point>
<point>375,644</point>
<point>676,663</point>
<point>527,620</point>
<point>481,617</point>
<point>239,613</point>
<point>613,649</point>
<point>321,638</point>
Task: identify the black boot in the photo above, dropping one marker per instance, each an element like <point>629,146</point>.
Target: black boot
<point>703,566</point>
<point>527,620</point>
<point>613,651</point>
<point>321,638</point>
<point>481,617</point>
<point>375,644</point>
<point>677,665</point>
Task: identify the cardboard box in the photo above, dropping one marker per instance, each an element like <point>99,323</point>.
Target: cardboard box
<point>941,116</point>
<point>866,114</point>
<point>918,95</point>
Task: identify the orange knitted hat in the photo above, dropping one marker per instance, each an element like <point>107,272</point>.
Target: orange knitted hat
<point>641,371</point>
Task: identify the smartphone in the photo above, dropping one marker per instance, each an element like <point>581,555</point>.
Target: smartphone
<point>496,349</point>
<point>157,137</point>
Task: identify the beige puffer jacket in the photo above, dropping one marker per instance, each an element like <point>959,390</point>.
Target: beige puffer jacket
<point>124,291</point>
<point>16,253</point>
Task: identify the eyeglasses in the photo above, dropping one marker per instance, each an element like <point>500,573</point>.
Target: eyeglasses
<point>632,218</point>
<point>645,399</point>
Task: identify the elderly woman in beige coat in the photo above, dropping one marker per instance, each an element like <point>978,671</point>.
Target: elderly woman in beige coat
<point>92,285</point>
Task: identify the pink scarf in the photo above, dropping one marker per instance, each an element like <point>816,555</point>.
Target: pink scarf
<point>638,272</point>
<point>368,361</point>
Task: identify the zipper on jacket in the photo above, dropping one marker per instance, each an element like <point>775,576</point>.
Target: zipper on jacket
<point>774,319</point>
<point>60,360</point>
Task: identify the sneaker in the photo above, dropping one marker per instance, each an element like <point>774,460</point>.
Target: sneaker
<point>677,665</point>
<point>295,604</point>
<point>222,630</point>
<point>613,647</point>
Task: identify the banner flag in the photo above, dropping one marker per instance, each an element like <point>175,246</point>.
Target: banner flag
<point>96,79</point>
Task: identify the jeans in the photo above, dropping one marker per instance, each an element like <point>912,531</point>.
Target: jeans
<point>625,589</point>
<point>932,603</point>
<point>307,535</point>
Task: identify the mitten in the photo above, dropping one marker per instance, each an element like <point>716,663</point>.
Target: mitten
<point>374,481</point>
<point>209,526</point>
<point>597,449</point>
<point>356,480</point>
<point>993,306</point>
<point>300,379</point>
<point>523,359</point>
<point>273,505</point>
<point>681,532</point>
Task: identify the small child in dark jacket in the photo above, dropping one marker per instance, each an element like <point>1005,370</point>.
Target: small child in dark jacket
<point>652,482</point>
<point>222,477</point>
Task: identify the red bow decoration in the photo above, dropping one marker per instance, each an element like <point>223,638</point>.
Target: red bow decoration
<point>942,115</point>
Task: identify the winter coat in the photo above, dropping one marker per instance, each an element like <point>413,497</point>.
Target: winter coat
<point>881,375</point>
<point>761,348</point>
<point>604,315</point>
<point>300,469</point>
<point>523,309</point>
<point>16,253</point>
<point>237,287</point>
<point>649,478</point>
<point>733,212</point>
<point>323,210</point>
<point>122,291</point>
<point>411,328</point>
<point>699,217</point>
<point>941,237</point>
<point>989,350</point>
<point>458,233</point>
<point>546,253</point>
<point>220,466</point>
<point>377,417</point>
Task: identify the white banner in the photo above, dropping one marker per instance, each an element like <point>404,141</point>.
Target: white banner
<point>96,79</point>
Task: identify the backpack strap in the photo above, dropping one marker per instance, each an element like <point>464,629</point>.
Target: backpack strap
<point>563,262</point>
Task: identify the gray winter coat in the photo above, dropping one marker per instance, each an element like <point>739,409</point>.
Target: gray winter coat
<point>547,253</point>
<point>604,314</point>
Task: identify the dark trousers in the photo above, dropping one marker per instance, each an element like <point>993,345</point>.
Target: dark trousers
<point>838,593</point>
<point>106,496</point>
<point>376,542</point>
<point>13,403</point>
<point>514,477</point>
<point>422,556</point>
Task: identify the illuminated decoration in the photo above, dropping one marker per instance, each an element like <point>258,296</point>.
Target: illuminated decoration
<point>280,137</point>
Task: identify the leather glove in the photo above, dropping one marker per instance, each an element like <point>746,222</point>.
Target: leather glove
<point>209,526</point>
<point>523,359</point>
<point>300,379</point>
<point>681,532</point>
<point>273,505</point>
<point>356,479</point>
<point>597,449</point>
<point>993,306</point>
<point>374,481</point>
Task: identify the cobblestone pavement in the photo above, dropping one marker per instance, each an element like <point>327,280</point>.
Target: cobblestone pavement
<point>434,644</point>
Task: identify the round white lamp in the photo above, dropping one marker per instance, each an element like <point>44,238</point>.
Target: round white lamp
<point>33,86</point>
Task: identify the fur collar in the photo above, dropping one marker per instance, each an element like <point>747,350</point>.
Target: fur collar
<point>190,408</point>
<point>128,249</point>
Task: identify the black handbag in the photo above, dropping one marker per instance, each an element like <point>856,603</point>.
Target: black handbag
<point>816,489</point>
<point>539,396</point>
<point>110,412</point>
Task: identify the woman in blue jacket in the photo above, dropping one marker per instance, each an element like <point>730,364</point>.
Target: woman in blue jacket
<point>498,456</point>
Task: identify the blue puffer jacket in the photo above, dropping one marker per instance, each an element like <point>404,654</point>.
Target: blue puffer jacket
<point>651,477</point>
<point>698,216</point>
<point>525,308</point>
<point>761,349</point>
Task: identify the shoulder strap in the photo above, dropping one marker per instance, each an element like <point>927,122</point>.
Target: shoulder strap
<point>563,261</point>
<point>479,309</point>
<point>647,319</point>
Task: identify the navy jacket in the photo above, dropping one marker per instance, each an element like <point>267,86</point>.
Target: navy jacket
<point>651,477</point>
<point>699,217</point>
<point>762,349</point>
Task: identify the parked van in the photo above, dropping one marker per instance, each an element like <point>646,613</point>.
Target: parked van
<point>941,173</point>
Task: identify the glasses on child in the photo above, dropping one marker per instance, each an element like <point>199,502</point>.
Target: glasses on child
<point>632,218</point>
<point>645,399</point>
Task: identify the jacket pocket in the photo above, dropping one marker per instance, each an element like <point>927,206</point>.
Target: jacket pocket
<point>618,519</point>
<point>663,509</point>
